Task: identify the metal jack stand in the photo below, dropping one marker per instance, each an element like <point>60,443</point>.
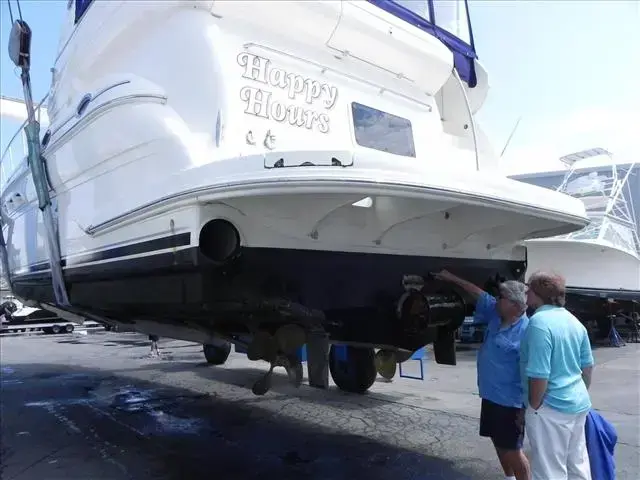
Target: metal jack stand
<point>318,358</point>
<point>4,256</point>
<point>20,53</point>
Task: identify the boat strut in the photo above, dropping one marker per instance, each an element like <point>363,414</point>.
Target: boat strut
<point>20,53</point>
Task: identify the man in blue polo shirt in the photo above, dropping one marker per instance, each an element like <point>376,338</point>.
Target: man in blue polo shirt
<point>499,380</point>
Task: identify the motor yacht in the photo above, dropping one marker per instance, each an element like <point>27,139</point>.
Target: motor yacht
<point>268,174</point>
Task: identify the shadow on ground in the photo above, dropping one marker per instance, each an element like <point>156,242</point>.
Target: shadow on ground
<point>72,422</point>
<point>245,377</point>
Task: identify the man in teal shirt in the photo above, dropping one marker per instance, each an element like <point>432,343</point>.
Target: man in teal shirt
<point>556,369</point>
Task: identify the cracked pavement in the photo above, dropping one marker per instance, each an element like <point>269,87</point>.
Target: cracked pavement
<point>98,407</point>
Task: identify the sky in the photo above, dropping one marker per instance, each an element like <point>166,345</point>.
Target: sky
<point>569,69</point>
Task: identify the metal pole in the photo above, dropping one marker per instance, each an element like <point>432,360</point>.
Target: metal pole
<point>510,137</point>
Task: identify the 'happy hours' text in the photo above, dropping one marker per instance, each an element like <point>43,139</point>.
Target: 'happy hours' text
<point>259,102</point>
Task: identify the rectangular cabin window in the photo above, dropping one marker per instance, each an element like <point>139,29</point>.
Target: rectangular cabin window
<point>382,131</point>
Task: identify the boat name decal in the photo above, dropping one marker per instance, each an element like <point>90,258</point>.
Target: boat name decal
<point>259,102</point>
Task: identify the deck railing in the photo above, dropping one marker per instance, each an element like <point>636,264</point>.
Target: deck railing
<point>16,150</point>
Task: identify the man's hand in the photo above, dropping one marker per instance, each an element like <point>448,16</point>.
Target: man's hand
<point>469,287</point>
<point>444,275</point>
<point>586,376</point>
<point>537,390</point>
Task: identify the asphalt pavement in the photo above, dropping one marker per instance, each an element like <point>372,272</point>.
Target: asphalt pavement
<point>99,407</point>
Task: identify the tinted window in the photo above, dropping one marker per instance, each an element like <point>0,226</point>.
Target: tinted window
<point>453,17</point>
<point>382,131</point>
<point>81,7</point>
<point>420,8</point>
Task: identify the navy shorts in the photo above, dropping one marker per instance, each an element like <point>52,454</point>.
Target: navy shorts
<point>501,425</point>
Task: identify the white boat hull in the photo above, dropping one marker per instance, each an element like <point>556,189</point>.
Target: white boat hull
<point>289,239</point>
<point>306,208</point>
<point>585,264</point>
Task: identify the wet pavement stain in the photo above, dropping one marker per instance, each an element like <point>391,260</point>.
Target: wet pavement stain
<point>144,430</point>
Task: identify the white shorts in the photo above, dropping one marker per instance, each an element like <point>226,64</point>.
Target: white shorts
<point>558,444</point>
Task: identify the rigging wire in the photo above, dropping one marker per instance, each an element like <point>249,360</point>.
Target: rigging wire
<point>19,9</point>
<point>10,11</point>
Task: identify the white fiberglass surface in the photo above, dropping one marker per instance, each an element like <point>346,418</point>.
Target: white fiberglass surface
<point>450,15</point>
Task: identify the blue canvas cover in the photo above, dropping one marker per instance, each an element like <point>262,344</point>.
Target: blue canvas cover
<point>81,7</point>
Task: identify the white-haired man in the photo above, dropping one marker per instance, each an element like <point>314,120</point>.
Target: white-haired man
<point>499,379</point>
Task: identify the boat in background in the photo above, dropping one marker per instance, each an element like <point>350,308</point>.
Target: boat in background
<point>269,174</point>
<point>601,262</point>
<point>13,312</point>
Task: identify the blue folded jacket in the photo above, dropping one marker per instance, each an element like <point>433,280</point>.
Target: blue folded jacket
<point>601,442</point>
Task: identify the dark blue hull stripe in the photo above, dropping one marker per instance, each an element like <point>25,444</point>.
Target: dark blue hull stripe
<point>148,246</point>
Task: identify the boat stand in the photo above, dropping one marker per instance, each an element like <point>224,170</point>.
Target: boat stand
<point>318,358</point>
<point>20,53</point>
<point>4,256</point>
